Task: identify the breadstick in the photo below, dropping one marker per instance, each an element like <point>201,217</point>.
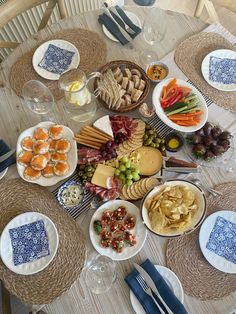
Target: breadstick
<point>88,138</point>
<point>90,133</point>
<point>87,144</point>
<point>97,131</point>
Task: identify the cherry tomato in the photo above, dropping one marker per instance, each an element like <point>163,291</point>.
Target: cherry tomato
<point>130,222</point>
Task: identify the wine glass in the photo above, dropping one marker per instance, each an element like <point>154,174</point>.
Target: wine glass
<point>153,33</point>
<point>38,98</point>
<point>100,274</point>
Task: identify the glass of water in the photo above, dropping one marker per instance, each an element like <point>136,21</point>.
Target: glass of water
<point>153,33</point>
<point>38,98</point>
<point>100,274</point>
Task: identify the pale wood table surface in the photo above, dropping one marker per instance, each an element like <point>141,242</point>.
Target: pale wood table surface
<point>15,118</point>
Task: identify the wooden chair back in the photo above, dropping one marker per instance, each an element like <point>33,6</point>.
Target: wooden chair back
<point>12,8</point>
<point>209,5</point>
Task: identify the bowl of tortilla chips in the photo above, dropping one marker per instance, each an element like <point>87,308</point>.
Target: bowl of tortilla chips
<point>174,208</point>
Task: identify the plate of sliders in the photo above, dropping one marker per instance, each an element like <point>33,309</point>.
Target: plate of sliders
<point>123,86</point>
<point>46,153</point>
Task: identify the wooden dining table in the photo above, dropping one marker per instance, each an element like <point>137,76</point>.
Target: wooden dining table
<point>15,118</point>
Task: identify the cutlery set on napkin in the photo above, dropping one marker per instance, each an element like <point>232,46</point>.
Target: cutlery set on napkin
<point>119,24</point>
<point>6,156</point>
<point>152,291</point>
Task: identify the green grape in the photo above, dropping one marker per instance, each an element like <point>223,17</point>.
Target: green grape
<point>124,159</point>
<point>129,176</point>
<point>128,164</point>
<point>136,178</point>
<point>128,172</point>
<point>121,177</point>
<point>122,168</point>
<point>117,172</point>
<point>129,182</point>
<point>134,173</point>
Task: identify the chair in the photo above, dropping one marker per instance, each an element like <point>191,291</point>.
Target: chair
<point>209,4</point>
<point>13,8</point>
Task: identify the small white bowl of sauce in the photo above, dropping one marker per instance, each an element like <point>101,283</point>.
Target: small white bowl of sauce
<point>157,71</point>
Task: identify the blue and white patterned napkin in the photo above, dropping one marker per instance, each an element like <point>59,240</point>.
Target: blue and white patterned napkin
<point>222,240</point>
<point>29,242</point>
<point>56,60</point>
<point>222,70</point>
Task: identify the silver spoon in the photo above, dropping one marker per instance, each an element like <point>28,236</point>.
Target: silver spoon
<point>210,190</point>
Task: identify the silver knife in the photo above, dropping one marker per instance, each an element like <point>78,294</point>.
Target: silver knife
<point>7,155</point>
<point>123,32</point>
<point>152,285</point>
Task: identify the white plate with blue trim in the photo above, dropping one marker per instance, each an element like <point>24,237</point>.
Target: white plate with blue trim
<point>36,265</point>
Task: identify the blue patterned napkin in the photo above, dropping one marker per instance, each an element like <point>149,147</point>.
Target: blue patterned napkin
<point>222,240</point>
<point>56,60</point>
<point>165,291</point>
<point>222,70</point>
<point>29,242</point>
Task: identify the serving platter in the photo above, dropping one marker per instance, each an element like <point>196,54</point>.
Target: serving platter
<point>139,231</point>
<point>157,92</point>
<point>72,155</point>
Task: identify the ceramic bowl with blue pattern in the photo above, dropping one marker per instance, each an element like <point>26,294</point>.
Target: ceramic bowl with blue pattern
<point>71,194</point>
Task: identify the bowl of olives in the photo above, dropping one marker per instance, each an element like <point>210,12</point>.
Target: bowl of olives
<point>152,139</point>
<point>211,146</point>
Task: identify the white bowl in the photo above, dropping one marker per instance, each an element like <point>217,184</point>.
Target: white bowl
<point>72,155</point>
<point>161,114</point>
<point>197,218</point>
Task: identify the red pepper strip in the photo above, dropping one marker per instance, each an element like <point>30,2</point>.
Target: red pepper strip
<point>170,94</point>
<point>170,85</point>
<point>175,98</point>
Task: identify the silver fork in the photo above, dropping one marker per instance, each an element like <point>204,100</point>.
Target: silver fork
<point>148,290</point>
<point>127,28</point>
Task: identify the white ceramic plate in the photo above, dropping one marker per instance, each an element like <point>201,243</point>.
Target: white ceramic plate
<point>197,218</point>
<point>171,279</point>
<point>220,53</point>
<point>6,247</point>
<point>215,260</point>
<point>133,17</point>
<point>40,51</point>
<point>161,114</point>
<point>72,155</point>
<point>139,231</point>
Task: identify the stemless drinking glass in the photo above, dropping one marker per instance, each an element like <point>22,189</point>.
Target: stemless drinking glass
<point>154,29</point>
<point>100,274</point>
<point>38,98</point>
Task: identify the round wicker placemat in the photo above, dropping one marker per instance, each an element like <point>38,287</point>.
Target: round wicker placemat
<point>189,56</point>
<point>90,45</point>
<point>17,197</point>
<point>184,256</point>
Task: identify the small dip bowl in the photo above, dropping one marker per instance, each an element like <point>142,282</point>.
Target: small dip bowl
<point>70,194</point>
<point>157,71</point>
<point>174,141</point>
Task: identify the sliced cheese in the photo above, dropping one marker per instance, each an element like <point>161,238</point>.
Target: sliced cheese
<point>101,174</point>
<point>104,124</point>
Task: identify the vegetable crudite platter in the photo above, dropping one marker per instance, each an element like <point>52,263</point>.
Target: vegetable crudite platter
<point>112,157</point>
<point>123,86</point>
<point>180,105</point>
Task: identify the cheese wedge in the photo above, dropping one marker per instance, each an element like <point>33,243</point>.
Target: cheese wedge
<point>101,174</point>
<point>104,124</point>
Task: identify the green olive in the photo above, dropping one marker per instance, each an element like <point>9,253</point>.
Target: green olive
<point>89,168</point>
<point>145,137</point>
<point>148,127</point>
<point>154,135</point>
<point>81,167</point>
<point>81,173</point>
<point>150,132</point>
<point>150,137</point>
<point>163,140</point>
<point>149,141</point>
<point>84,176</point>
<point>153,145</point>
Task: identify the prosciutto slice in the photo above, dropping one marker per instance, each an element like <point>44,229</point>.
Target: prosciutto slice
<point>123,125</point>
<point>105,194</point>
<point>89,155</point>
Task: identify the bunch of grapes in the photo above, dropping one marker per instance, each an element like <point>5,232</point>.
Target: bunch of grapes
<point>120,138</point>
<point>126,172</point>
<point>108,150</point>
